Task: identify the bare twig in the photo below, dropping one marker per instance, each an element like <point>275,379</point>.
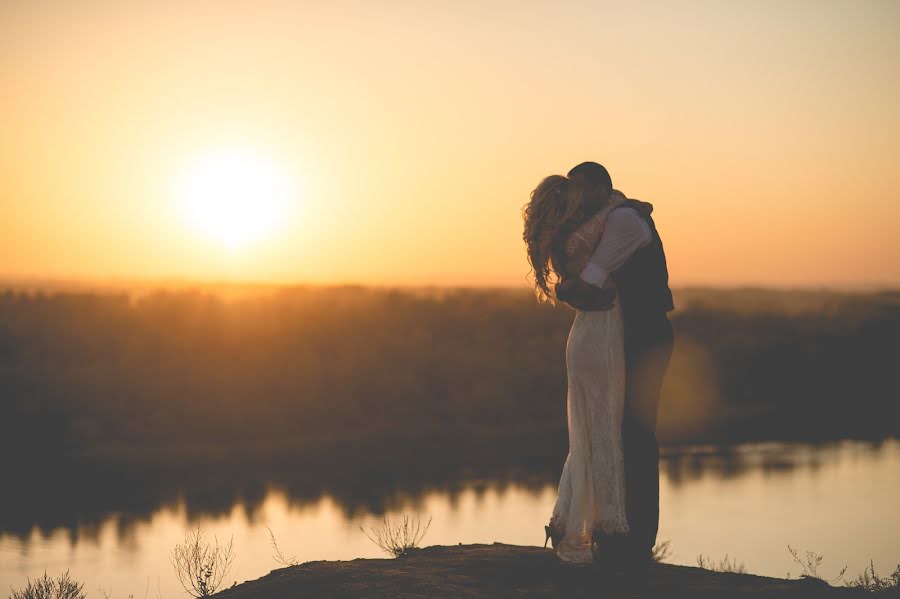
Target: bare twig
<point>279,556</point>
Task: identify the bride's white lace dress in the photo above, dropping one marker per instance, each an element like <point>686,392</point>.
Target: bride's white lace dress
<point>592,487</point>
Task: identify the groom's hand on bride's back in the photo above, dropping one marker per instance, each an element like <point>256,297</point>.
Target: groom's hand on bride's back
<point>584,296</point>
<point>642,208</point>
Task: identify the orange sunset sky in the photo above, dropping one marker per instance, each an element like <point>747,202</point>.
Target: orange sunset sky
<point>396,142</point>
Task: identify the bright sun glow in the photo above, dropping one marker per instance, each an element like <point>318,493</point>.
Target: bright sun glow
<point>234,196</point>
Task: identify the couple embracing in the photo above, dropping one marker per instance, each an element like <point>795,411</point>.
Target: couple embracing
<point>608,264</point>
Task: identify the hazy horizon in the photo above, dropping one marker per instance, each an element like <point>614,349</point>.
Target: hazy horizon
<point>14,282</point>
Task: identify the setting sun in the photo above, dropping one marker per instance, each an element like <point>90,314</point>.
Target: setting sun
<point>234,196</point>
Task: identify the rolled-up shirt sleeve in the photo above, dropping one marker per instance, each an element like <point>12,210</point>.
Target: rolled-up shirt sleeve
<point>625,232</point>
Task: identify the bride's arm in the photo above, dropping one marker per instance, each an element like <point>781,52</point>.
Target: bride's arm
<point>584,296</point>
<point>581,243</point>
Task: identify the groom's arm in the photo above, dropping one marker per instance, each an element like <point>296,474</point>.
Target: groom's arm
<point>625,232</point>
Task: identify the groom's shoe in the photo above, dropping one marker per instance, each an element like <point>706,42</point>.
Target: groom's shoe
<point>636,557</point>
<point>609,550</point>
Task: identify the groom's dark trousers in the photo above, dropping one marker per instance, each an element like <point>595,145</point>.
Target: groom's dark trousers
<point>648,347</point>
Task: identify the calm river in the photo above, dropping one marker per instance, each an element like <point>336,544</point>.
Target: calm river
<point>840,500</point>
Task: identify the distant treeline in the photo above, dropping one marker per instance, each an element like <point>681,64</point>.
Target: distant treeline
<point>184,378</point>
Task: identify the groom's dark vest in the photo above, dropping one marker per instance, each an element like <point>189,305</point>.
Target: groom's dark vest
<point>643,282</point>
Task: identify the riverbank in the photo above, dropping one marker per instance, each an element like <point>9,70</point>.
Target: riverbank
<point>499,570</point>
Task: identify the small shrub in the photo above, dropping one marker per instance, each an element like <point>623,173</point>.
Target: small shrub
<point>48,588</point>
<point>397,538</point>
<point>200,566</point>
<point>870,581</point>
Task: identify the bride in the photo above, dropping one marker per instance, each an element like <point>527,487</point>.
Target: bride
<point>561,232</point>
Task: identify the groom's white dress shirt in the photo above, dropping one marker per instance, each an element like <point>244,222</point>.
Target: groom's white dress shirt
<point>624,233</point>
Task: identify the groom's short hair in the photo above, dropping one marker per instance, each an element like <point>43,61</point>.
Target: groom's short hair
<point>594,174</point>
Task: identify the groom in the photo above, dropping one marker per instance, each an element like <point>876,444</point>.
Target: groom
<point>631,252</point>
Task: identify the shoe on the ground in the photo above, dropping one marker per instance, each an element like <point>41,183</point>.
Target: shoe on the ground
<point>610,550</point>
<point>553,534</point>
<point>619,552</point>
<point>635,558</point>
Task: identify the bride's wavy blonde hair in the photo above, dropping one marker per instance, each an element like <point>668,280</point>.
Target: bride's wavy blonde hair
<point>554,204</point>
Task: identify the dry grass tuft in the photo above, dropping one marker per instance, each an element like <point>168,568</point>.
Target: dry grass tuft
<point>726,564</point>
<point>397,538</point>
<point>810,566</point>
